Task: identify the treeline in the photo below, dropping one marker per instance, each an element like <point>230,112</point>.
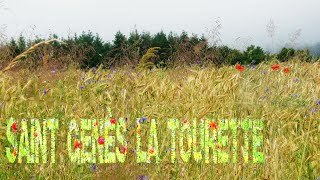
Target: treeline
<point>88,50</point>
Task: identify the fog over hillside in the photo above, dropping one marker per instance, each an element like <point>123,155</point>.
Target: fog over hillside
<point>246,19</point>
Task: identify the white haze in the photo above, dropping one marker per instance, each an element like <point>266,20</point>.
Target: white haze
<point>246,19</point>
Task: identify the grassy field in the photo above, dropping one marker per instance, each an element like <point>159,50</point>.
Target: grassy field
<point>288,102</point>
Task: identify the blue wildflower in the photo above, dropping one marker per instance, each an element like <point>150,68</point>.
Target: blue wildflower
<point>144,119</point>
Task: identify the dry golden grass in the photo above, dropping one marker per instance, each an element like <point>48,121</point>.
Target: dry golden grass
<point>287,103</point>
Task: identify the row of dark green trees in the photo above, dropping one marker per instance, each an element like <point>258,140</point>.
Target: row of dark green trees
<point>88,50</point>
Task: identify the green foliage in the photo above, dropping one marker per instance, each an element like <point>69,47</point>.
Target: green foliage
<point>89,50</point>
<point>96,52</point>
<point>230,56</point>
<point>285,54</point>
<point>119,46</point>
<point>160,40</point>
<point>18,46</point>
<point>254,55</point>
<point>303,55</point>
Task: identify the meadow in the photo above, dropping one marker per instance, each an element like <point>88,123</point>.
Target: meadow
<point>288,101</point>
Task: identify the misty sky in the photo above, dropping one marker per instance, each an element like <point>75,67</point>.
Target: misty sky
<point>246,19</point>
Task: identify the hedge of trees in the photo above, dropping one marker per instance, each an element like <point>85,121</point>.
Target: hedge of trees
<point>88,50</point>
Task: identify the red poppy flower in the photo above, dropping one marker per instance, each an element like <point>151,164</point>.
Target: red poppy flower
<point>124,150</point>
<point>219,146</point>
<point>275,67</point>
<point>14,152</point>
<point>151,150</point>
<point>77,144</point>
<point>101,140</point>
<point>239,68</point>
<point>138,131</point>
<point>185,121</point>
<point>95,124</point>
<point>35,134</point>
<point>14,126</point>
<point>213,125</point>
<point>286,70</point>
<point>113,121</point>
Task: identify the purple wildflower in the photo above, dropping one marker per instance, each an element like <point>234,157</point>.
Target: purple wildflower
<point>264,72</point>
<point>253,66</point>
<point>314,110</point>
<point>44,91</point>
<point>81,87</point>
<point>268,90</point>
<point>143,177</point>
<point>318,102</point>
<point>296,80</point>
<point>93,167</point>
<point>295,95</point>
<point>144,119</point>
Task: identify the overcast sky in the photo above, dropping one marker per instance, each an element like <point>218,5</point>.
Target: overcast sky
<point>246,19</point>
